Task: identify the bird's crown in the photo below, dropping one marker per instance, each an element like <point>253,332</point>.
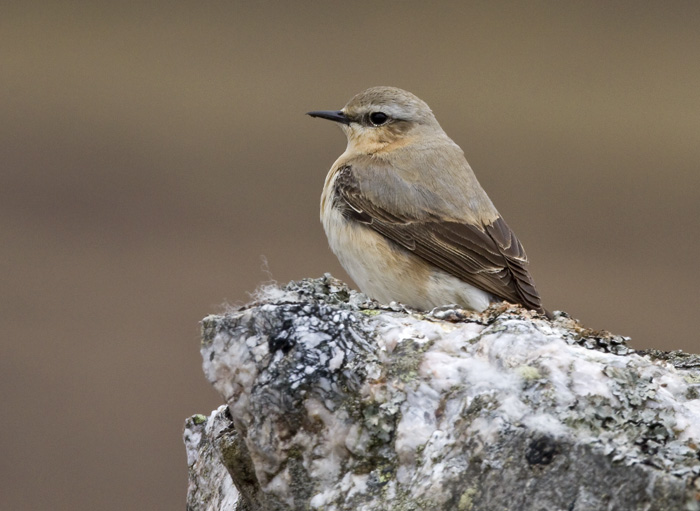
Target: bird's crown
<point>380,105</point>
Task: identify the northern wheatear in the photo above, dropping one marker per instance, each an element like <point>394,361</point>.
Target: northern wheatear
<point>406,216</point>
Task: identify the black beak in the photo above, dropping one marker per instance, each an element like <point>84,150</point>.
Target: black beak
<point>331,115</point>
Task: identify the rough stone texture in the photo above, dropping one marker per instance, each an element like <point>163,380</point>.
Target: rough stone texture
<point>210,486</point>
<point>337,403</point>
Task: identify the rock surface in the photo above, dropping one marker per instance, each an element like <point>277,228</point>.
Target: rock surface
<point>338,403</point>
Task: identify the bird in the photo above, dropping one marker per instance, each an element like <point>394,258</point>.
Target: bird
<point>406,216</point>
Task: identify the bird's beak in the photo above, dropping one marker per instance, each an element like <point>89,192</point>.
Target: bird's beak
<point>331,115</point>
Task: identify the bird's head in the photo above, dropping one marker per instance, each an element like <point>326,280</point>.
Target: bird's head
<point>383,118</point>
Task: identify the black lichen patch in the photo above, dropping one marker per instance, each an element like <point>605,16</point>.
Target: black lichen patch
<point>316,350</point>
<point>281,339</point>
<point>541,451</point>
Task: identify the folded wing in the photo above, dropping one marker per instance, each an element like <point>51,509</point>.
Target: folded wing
<point>489,257</point>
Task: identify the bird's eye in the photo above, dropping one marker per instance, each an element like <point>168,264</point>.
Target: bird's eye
<point>378,118</point>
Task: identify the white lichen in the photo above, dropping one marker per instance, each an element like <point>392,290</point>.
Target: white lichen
<point>339,409</point>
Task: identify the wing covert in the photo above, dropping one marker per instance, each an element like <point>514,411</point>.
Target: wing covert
<point>488,256</point>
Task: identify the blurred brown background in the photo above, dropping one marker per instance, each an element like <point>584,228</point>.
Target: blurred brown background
<point>151,155</point>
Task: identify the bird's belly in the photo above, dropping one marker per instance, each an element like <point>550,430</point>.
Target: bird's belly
<point>387,272</point>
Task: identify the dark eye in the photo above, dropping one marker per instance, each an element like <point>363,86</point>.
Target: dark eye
<point>378,118</point>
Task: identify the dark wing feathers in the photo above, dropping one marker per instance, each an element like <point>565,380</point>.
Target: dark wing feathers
<point>489,257</point>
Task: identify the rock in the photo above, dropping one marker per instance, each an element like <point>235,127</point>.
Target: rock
<point>338,403</point>
<point>210,485</point>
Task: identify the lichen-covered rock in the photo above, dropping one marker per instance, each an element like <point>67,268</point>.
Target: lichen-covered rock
<point>210,486</point>
<point>337,403</point>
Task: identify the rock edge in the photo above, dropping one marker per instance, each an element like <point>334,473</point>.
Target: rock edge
<point>337,403</point>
